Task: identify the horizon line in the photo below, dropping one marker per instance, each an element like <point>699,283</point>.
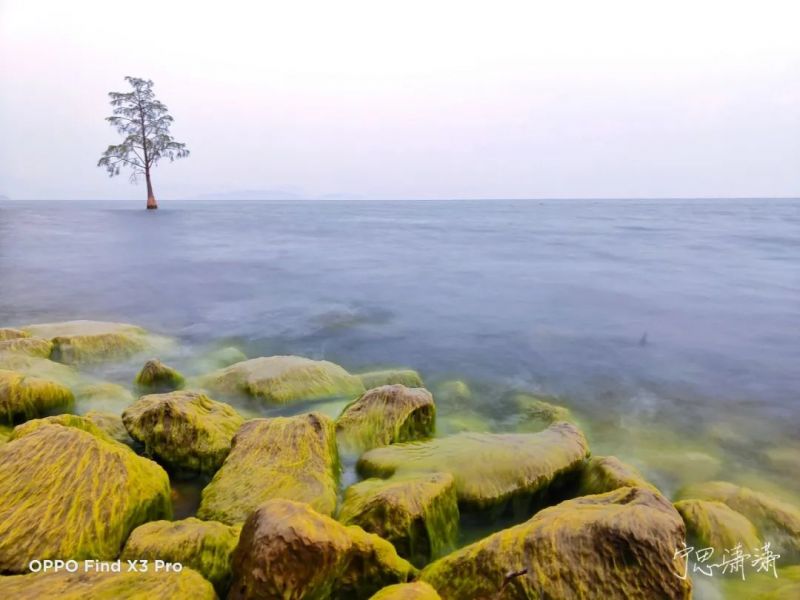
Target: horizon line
<point>442,199</point>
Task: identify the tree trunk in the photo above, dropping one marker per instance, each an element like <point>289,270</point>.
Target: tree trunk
<point>151,199</point>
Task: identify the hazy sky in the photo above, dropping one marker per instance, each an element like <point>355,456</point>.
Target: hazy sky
<point>410,99</point>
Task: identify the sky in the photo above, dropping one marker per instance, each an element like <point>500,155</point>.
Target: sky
<point>410,99</point>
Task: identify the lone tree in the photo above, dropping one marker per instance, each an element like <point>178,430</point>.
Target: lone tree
<point>144,122</point>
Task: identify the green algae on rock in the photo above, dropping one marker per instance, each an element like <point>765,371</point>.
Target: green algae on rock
<point>30,346</point>
<point>184,585</point>
<point>282,457</point>
<point>416,590</point>
<point>76,342</point>
<point>488,468</point>
<point>453,392</point>
<point>111,424</point>
<point>386,415</point>
<point>184,429</point>
<point>9,333</point>
<point>603,474</point>
<point>716,525</point>
<point>205,546</point>
<point>284,380</point>
<point>534,413</point>
<point>24,397</point>
<point>155,376</point>
<point>68,494</point>
<point>65,420</point>
<point>616,545</point>
<point>418,514</point>
<point>406,377</point>
<point>41,367</point>
<point>287,550</point>
<point>777,522</point>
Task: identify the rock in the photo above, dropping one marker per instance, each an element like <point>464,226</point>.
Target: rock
<point>455,393</point>
<point>185,430</point>
<point>185,585</point>
<point>406,377</point>
<point>30,346</point>
<point>417,590</point>
<point>223,357</point>
<point>65,493</point>
<point>418,514</point>
<point>287,550</point>
<point>463,420</point>
<point>603,474</point>
<point>285,379</point>
<point>534,413</point>
<point>40,367</point>
<point>283,457</point>
<point>155,376</point>
<point>715,525</point>
<point>385,415</point>
<point>103,396</point>
<point>76,342</point>
<point>615,545</point>
<point>65,420</point>
<point>488,468</point>
<point>9,333</point>
<point>23,397</point>
<point>777,522</point>
<point>205,546</point>
<point>111,424</point>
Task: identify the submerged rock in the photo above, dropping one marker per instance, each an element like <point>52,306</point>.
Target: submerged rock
<point>205,546</point>
<point>155,376</point>
<point>111,424</point>
<point>716,525</point>
<point>385,415</point>
<point>285,379</point>
<point>9,333</point>
<point>77,342</point>
<point>615,545</point>
<point>534,413</point>
<point>41,367</point>
<point>30,346</point>
<point>223,357</point>
<point>418,514</point>
<point>417,590</point>
<point>185,585</point>
<point>283,457</point>
<point>185,430</point>
<point>603,474</point>
<point>68,494</point>
<point>453,392</point>
<point>24,397</point>
<point>488,468</point>
<point>103,396</point>
<point>406,377</point>
<point>287,550</point>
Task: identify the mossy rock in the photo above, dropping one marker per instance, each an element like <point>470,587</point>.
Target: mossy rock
<point>616,545</point>
<point>77,342</point>
<point>462,421</point>
<point>186,585</point>
<point>601,474</point>
<point>103,396</point>
<point>416,590</point>
<point>9,333</point>
<point>283,457</point>
<point>68,494</point>
<point>5,433</point>
<point>777,522</point>
<point>24,397</point>
<point>65,420</point>
<point>284,380</point>
<point>205,546</point>
<point>488,468</point>
<point>155,376</point>
<point>716,525</point>
<point>386,415</point>
<point>184,429</point>
<point>534,413</point>
<point>418,514</point>
<point>287,550</point>
<point>41,367</point>
<point>111,424</point>
<point>453,392</point>
<point>406,377</point>
<point>29,346</point>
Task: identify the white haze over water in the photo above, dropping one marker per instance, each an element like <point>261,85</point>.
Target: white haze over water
<point>411,99</point>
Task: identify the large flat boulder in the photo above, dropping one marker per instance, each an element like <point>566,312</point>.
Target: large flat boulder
<point>616,545</point>
<point>418,514</point>
<point>287,550</point>
<point>284,380</point>
<point>184,429</point>
<point>386,415</point>
<point>66,493</point>
<point>284,457</point>
<point>24,397</point>
<point>488,468</point>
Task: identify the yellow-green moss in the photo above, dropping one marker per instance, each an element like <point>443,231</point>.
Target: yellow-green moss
<point>205,546</point>
<point>386,415</point>
<point>615,545</point>
<point>183,429</point>
<point>9,333</point>
<point>155,376</point>
<point>488,468</point>
<point>284,457</point>
<point>601,474</point>
<point>186,585</point>
<point>111,424</point>
<point>30,346</point>
<point>406,377</point>
<point>716,525</point>
<point>65,420</point>
<point>418,514</point>
<point>24,397</point>
<point>534,413</point>
<point>41,367</point>
<point>284,379</point>
<point>65,493</point>
<point>417,590</point>
<point>287,550</point>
